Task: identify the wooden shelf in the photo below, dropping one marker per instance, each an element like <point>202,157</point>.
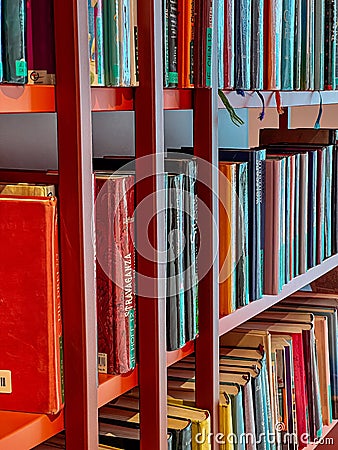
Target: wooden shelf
<point>112,386</point>
<point>327,441</point>
<point>112,99</point>
<point>241,315</point>
<point>288,98</point>
<point>21,431</point>
<point>27,99</point>
<point>178,99</point>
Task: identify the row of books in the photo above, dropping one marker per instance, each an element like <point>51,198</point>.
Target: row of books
<point>277,212</point>
<point>116,306</point>
<point>27,53</point>
<point>277,45</point>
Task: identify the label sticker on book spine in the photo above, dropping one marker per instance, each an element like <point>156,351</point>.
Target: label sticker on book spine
<point>102,362</point>
<point>5,382</point>
<point>21,68</point>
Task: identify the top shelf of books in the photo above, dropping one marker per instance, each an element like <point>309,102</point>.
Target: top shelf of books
<point>41,99</point>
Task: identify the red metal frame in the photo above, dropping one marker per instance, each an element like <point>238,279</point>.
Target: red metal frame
<point>149,140</point>
<point>76,216</point>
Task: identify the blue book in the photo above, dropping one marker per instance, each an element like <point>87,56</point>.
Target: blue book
<point>255,158</point>
<point>257,44</point>
<point>288,45</point>
<point>242,44</point>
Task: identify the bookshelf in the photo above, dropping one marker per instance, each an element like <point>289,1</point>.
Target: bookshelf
<point>73,101</point>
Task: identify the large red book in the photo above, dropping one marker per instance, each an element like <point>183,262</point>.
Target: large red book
<point>30,310</point>
<point>115,266</point>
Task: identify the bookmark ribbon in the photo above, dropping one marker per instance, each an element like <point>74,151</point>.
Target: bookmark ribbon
<point>320,112</point>
<point>235,119</point>
<point>279,107</point>
<point>262,113</point>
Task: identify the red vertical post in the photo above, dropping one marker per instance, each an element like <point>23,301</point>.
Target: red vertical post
<point>76,218</point>
<point>151,283</point>
<point>206,148</point>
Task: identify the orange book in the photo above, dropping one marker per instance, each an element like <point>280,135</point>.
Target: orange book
<point>30,309</point>
<point>186,19</point>
<point>227,238</point>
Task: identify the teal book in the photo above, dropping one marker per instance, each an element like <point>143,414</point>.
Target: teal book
<point>287,217</point>
<point>242,246</point>
<point>220,43</point>
<point>242,44</point>
<point>111,42</point>
<point>282,223</point>
<point>267,401</point>
<point>298,45</point>
<point>260,408</point>
<point>13,22</point>
<point>312,208</point>
<point>303,212</point>
<point>319,18</point>
<point>124,42</point>
<point>328,202</point>
<point>296,216</point>
<point>288,45</point>
<point>257,44</point>
<point>238,419</point>
<point>175,263</point>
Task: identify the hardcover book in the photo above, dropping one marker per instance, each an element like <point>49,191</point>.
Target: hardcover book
<point>31,331</point>
<point>242,44</point>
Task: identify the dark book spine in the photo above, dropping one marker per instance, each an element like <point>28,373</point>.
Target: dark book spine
<point>172,43</point>
<point>242,44</point>
<point>257,33</point>
<point>259,200</point>
<point>287,219</point>
<point>330,42</point>
<point>335,201</point>
<point>14,41</point>
<point>165,43</point>
<point>328,202</point>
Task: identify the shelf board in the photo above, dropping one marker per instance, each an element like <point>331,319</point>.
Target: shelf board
<point>27,99</point>
<point>22,431</point>
<point>175,99</point>
<point>28,176</point>
<point>177,355</point>
<point>241,315</point>
<point>112,386</point>
<point>327,441</point>
<point>112,99</point>
<point>288,98</point>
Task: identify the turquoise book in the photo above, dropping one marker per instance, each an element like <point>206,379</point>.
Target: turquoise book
<point>298,45</point>
<point>328,202</point>
<point>238,419</point>
<point>124,37</point>
<point>220,43</point>
<point>242,246</point>
<point>288,45</point>
<point>282,224</point>
<point>287,218</point>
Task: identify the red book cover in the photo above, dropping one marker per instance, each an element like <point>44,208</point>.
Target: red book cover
<point>30,311</point>
<point>203,43</point>
<point>115,273</point>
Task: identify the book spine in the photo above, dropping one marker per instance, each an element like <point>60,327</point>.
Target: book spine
<point>319,34</point>
<point>288,45</point>
<point>287,218</point>
<point>335,201</point>
<point>242,44</point>
<point>320,205</point>
<point>229,44</point>
<point>273,44</point>
<point>58,344</point>
<point>220,42</point>
<point>99,50</point>
<point>257,42</point>
<point>106,52</point>
<point>259,201</point>
<point>298,45</point>
<point>115,43</point>
<point>330,43</point>
<point>312,209</point>
<point>234,225</point>
<point>91,42</point>
<point>208,43</point>
<point>297,214</point>
<point>172,43</point>
<point>306,44</point>
<point>328,202</point>
<point>132,27</point>
<point>292,215</point>
<point>165,43</point>
<point>282,223</point>
<point>124,36</point>
<point>268,279</point>
<point>303,238</point>
<point>15,68</point>
<point>312,45</point>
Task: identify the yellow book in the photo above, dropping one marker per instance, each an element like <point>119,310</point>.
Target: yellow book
<point>225,422</point>
<point>26,189</point>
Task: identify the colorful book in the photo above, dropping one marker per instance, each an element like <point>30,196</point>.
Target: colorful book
<point>257,44</point>
<point>288,45</point>
<point>242,44</point>
<point>229,44</point>
<point>273,18</point>
<point>185,49</point>
<point>172,43</point>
